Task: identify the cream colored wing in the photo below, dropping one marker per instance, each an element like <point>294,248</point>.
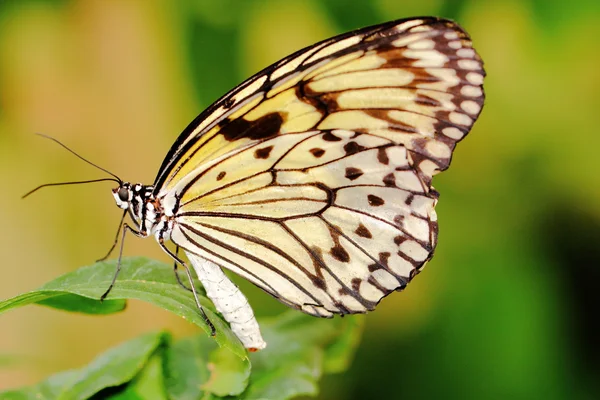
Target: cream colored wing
<point>313,179</point>
<point>417,82</point>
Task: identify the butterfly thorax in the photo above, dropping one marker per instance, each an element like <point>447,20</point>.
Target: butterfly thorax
<point>145,209</point>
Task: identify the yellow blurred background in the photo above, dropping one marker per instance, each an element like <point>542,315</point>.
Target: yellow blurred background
<point>506,309</point>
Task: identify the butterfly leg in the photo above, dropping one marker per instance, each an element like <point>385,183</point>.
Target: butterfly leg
<point>178,260</point>
<point>112,284</point>
<point>176,274</point>
<point>116,239</point>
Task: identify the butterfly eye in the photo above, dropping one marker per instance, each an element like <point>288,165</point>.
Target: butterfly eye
<point>123,194</point>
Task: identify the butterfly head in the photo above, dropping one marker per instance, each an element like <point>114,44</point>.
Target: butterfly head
<point>127,195</point>
<point>123,195</point>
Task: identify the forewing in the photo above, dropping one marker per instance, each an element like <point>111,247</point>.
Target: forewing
<point>417,82</point>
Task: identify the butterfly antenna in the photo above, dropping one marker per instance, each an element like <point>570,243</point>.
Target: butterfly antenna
<point>80,157</point>
<point>68,183</point>
<point>114,179</point>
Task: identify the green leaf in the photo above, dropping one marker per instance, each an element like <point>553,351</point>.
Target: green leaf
<point>69,303</point>
<point>147,385</point>
<point>300,348</point>
<point>141,279</point>
<point>75,303</point>
<point>295,374</point>
<point>113,368</point>
<point>228,374</point>
<point>186,367</point>
<point>339,354</point>
<point>196,368</point>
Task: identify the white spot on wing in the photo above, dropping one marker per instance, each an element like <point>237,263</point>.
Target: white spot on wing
<point>467,53</point>
<point>428,167</point>
<point>422,45</point>
<point>408,24</point>
<point>250,89</point>
<point>414,250</point>
<point>400,266</point>
<point>455,44</point>
<point>471,91</point>
<point>289,66</point>
<point>385,279</point>
<point>470,106</point>
<point>460,119</point>
<point>475,78</point>
<point>363,79</point>
<point>437,149</point>
<point>369,292</point>
<point>469,64</point>
<point>334,47</point>
<point>422,28</point>
<point>426,58</point>
<point>404,41</point>
<point>453,133</point>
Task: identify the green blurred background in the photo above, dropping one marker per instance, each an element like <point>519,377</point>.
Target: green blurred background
<point>507,308</point>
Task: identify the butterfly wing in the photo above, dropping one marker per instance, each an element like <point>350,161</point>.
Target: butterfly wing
<point>313,178</point>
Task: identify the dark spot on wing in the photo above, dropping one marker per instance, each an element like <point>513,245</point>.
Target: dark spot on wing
<point>353,173</point>
<point>399,240</point>
<point>375,201</point>
<point>221,175</point>
<point>384,257</point>
<point>263,153</point>
<point>318,153</point>
<point>263,128</point>
<point>373,267</point>
<point>389,180</point>
<point>339,253</point>
<point>330,137</point>
<point>382,156</point>
<point>363,231</point>
<point>383,262</point>
<point>317,258</point>
<point>318,282</point>
<point>352,147</point>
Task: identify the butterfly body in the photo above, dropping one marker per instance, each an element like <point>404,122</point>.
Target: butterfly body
<point>312,179</point>
<point>145,210</point>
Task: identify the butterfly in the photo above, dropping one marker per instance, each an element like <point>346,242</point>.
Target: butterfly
<point>312,179</point>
